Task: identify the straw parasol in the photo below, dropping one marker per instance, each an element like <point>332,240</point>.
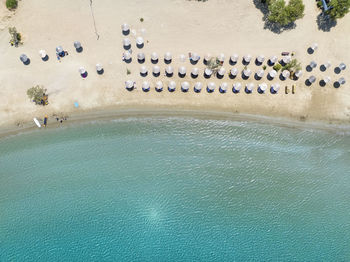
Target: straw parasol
<point>223,87</point>
<point>185,86</point>
<point>211,87</point>
<point>145,86</point>
<point>236,87</point>
<point>171,86</point>
<point>198,87</point>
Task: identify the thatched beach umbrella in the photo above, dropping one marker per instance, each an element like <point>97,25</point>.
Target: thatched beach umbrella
<point>236,87</point>
<point>156,71</point>
<point>211,87</point>
<point>125,29</point>
<point>145,86</point>
<point>262,88</point>
<point>342,66</point>
<point>260,73</point>
<point>143,71</point>
<point>247,58</point>
<point>285,74</point>
<point>223,87</point>
<point>249,88</point>
<point>126,43</point>
<point>24,58</point>
<point>273,60</point>
<point>169,71</point>
<point>182,71</point>
<point>159,86</point>
<point>171,86</point>
<point>129,85</point>
<point>141,57</point>
<point>194,72</point>
<point>233,58</point>
<point>221,72</point>
<point>154,58</point>
<point>185,86</point>
<point>198,87</point>
<point>260,59</point>
<point>207,73</point>
<point>167,57</point>
<point>274,88</point>
<point>272,73</point>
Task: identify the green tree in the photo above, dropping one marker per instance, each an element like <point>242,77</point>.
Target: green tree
<point>11,4</point>
<point>292,66</point>
<point>340,8</point>
<point>283,14</point>
<point>36,94</point>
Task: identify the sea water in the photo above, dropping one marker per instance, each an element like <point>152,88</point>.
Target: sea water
<point>175,189</point>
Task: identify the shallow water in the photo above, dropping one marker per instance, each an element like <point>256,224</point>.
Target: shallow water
<point>171,189</point>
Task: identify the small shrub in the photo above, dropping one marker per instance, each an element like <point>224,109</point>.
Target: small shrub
<point>37,95</point>
<point>264,67</point>
<point>128,72</point>
<point>277,67</point>
<point>11,4</point>
<point>141,19</point>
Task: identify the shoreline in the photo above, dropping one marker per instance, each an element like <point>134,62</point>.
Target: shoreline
<point>107,114</point>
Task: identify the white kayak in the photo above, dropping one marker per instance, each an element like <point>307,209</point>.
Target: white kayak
<point>36,121</point>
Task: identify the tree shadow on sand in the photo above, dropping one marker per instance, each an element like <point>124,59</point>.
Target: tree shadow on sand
<point>325,23</point>
<point>273,27</point>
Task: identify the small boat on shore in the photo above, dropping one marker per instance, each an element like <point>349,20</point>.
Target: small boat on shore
<point>36,121</point>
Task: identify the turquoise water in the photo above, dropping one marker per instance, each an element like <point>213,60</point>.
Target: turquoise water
<point>175,189</point>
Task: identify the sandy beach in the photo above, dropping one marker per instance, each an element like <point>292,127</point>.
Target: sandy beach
<point>176,26</point>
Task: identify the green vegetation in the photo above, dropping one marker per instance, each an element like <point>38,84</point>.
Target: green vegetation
<point>15,36</point>
<point>277,67</point>
<point>292,66</point>
<point>340,8</point>
<point>37,95</point>
<point>128,72</point>
<point>264,67</point>
<point>141,19</point>
<point>11,4</point>
<point>214,64</point>
<point>283,14</point>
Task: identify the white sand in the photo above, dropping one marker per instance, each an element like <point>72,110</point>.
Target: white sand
<point>178,26</point>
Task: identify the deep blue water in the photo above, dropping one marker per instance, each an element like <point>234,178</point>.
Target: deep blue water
<point>175,189</point>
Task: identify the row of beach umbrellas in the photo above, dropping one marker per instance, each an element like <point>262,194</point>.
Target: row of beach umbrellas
<point>246,73</point>
<point>211,86</point>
